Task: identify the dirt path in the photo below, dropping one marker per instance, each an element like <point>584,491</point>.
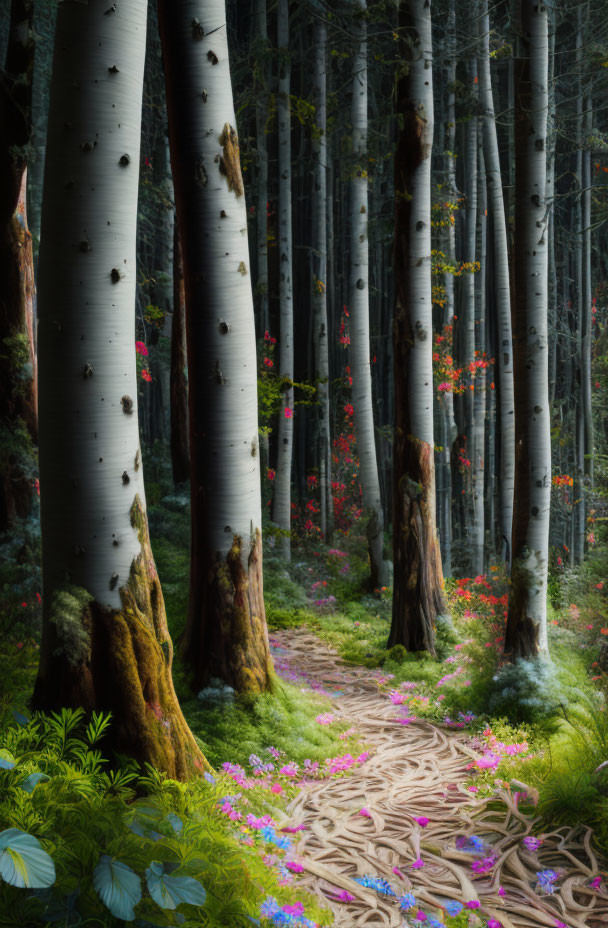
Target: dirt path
<point>420,770</point>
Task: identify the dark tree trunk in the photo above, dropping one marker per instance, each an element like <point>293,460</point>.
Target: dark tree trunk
<point>18,426</point>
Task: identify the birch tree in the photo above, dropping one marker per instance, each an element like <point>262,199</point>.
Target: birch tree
<point>501,288</point>
<point>105,643</point>
<point>526,632</point>
<point>180,459</point>
<point>17,353</point>
<point>358,291</point>
<point>418,582</point>
<point>319,273</point>
<point>226,633</point>
<point>261,115</point>
<point>281,512</point>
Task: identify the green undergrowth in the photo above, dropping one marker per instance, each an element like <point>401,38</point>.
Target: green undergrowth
<point>283,719</point>
<point>230,727</point>
<point>84,815</point>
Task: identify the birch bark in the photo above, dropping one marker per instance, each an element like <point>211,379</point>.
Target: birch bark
<point>281,512</point>
<point>261,115</point>
<point>501,289</point>
<point>418,581</point>
<point>479,429</point>
<point>105,643</point>
<point>226,633</point>
<point>526,631</point>
<point>319,274</point>
<point>180,458</point>
<point>359,308</point>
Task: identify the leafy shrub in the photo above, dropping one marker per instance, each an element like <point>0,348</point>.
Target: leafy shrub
<point>528,690</point>
<point>122,844</point>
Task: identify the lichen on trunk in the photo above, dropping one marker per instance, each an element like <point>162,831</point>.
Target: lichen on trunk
<point>227,637</point>
<point>119,660</point>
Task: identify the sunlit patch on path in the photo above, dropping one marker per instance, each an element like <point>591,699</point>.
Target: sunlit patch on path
<point>470,851</point>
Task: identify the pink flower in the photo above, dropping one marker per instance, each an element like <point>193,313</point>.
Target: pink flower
<point>294,867</point>
<point>472,904</point>
<point>494,923</point>
<point>288,412</point>
<point>398,872</point>
<point>345,896</point>
<point>325,719</point>
<point>140,348</point>
<point>276,788</point>
<point>422,820</point>
<point>501,891</point>
<point>296,909</point>
<point>418,864</point>
<point>364,812</point>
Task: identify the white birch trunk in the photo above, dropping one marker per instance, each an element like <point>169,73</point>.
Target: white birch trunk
<point>226,632</point>
<point>502,290</point>
<point>418,579</point>
<point>261,110</point>
<point>105,642</point>
<point>479,450</point>
<point>466,315</point>
<point>281,512</point>
<point>319,268</point>
<point>358,291</point>
<point>526,632</point>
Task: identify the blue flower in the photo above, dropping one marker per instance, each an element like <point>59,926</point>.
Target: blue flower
<point>268,833</point>
<point>377,883</point>
<point>209,777</point>
<point>407,901</point>
<point>546,879</point>
<point>433,922</point>
<point>269,907</point>
<point>453,907</point>
<point>281,841</point>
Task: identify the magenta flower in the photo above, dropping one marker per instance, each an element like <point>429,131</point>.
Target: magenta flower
<point>294,866</point>
<point>422,820</point>
<point>472,904</point>
<point>345,896</point>
<point>364,812</point>
<point>418,864</point>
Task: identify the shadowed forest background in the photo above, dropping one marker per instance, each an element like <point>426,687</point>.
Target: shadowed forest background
<point>303,463</point>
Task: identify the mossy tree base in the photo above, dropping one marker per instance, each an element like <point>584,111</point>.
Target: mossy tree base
<point>226,634</point>
<point>523,631</point>
<point>120,661</point>
<point>418,596</point>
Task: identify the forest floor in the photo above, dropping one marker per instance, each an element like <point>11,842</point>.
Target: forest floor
<point>408,817</point>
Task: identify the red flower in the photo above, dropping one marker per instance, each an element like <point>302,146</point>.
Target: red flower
<point>146,375</point>
<point>288,412</point>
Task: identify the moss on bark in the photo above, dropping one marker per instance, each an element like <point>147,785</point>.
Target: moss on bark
<point>226,635</point>
<point>418,598</point>
<point>122,664</point>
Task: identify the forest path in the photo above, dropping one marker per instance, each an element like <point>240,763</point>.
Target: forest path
<point>415,770</point>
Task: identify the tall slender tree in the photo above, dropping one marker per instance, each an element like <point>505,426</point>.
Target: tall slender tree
<point>226,633</point>
<point>261,116</point>
<point>359,307</point>
<point>418,581</point>
<point>281,512</point>
<point>319,274</point>
<point>501,287</point>
<point>105,643</point>
<point>526,632</point>
<point>180,458</point>
<point>17,353</point>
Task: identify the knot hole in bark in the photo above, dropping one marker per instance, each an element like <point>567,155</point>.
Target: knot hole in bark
<point>127,405</point>
<point>198,31</point>
<point>223,328</point>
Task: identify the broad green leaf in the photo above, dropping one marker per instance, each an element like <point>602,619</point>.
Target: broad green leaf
<point>23,862</point>
<point>30,783</point>
<point>170,891</point>
<point>175,822</point>
<point>7,761</point>
<point>118,887</point>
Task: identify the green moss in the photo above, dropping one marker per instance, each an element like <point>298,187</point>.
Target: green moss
<point>68,615</point>
<point>283,718</point>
